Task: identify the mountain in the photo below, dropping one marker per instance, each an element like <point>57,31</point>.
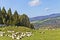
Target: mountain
<point>44,17</point>
<point>52,21</point>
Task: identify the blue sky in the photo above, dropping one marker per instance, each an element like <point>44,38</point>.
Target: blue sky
<point>32,8</point>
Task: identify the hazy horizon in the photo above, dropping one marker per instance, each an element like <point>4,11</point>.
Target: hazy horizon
<point>32,8</point>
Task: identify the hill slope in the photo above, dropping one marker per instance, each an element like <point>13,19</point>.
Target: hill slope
<point>52,21</point>
<point>41,34</point>
<point>37,34</point>
<point>44,17</point>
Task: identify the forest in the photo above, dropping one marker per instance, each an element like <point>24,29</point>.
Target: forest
<point>8,18</point>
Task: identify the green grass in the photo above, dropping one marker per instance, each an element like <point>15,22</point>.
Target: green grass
<point>47,35</point>
<point>5,38</point>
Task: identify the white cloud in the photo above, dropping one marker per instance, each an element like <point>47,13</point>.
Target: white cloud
<point>47,9</point>
<point>34,2</point>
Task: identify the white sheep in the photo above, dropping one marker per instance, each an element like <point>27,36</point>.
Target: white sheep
<point>9,35</point>
<point>18,37</point>
<point>23,34</point>
<point>28,34</point>
<point>53,29</point>
<point>1,33</point>
<point>16,32</point>
<point>13,36</point>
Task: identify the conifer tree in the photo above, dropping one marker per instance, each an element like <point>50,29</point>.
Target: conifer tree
<point>4,15</point>
<point>1,17</point>
<point>24,20</point>
<point>9,17</point>
<point>15,17</point>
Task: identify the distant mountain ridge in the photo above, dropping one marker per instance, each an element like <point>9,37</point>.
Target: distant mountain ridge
<point>44,17</point>
<point>52,21</point>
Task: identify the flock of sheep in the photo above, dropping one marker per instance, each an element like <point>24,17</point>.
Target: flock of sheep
<point>16,35</point>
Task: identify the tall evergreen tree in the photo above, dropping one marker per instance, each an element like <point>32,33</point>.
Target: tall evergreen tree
<point>1,17</point>
<point>0,12</point>
<point>15,17</point>
<point>9,17</point>
<point>24,20</point>
<point>4,12</point>
<point>4,15</point>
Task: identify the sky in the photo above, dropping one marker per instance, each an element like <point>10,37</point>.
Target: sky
<point>32,8</point>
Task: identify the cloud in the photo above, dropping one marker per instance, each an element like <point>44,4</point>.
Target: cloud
<point>47,9</point>
<point>34,2</point>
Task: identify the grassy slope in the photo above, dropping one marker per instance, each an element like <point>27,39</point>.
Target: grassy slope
<point>48,35</point>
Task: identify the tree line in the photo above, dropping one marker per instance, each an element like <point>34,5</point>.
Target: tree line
<point>9,19</point>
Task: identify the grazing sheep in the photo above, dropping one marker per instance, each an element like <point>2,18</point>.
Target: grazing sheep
<point>6,35</point>
<point>1,33</point>
<point>28,34</point>
<point>18,37</point>
<point>23,34</point>
<point>53,29</point>
<point>17,33</point>
<point>13,36</point>
<point>9,36</point>
<point>46,29</point>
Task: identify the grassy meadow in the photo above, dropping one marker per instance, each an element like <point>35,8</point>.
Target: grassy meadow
<point>41,34</point>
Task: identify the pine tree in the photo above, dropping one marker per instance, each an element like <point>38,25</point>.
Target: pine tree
<point>9,17</point>
<point>0,13</point>
<point>24,20</point>
<point>4,15</point>
<point>1,17</point>
<point>32,26</point>
<point>15,17</point>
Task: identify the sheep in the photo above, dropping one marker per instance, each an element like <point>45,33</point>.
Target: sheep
<point>28,34</point>
<point>1,33</point>
<point>13,36</point>
<point>18,37</point>
<point>23,34</point>
<point>53,29</point>
<point>9,35</point>
<point>16,32</point>
<point>6,35</point>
